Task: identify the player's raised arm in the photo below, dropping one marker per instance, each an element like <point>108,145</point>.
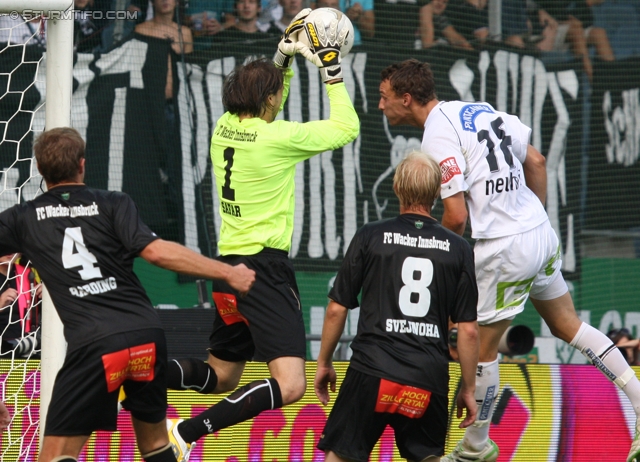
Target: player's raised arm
<point>343,125</point>
<point>175,257</point>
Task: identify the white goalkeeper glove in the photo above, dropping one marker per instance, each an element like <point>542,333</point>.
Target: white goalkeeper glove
<point>325,48</point>
<point>286,46</point>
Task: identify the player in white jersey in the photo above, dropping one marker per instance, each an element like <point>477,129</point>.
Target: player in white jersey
<point>489,166</point>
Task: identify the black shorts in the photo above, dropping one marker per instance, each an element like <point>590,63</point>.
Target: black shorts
<point>363,410</point>
<point>267,323</point>
<point>86,390</point>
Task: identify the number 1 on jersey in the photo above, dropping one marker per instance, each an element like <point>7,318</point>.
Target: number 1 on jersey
<point>227,192</point>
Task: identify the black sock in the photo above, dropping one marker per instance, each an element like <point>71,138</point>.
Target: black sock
<point>243,404</point>
<point>191,374</point>
<point>161,455</point>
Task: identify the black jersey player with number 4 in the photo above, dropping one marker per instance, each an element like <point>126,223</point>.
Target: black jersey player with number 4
<point>83,242</point>
<point>414,274</point>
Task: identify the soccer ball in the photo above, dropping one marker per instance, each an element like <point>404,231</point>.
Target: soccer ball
<point>325,16</point>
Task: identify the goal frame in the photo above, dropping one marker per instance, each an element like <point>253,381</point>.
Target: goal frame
<point>59,86</point>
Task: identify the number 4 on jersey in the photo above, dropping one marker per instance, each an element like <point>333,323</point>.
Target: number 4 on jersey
<point>82,257</point>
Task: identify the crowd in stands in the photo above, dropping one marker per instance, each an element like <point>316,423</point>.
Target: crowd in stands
<point>580,28</point>
<point>584,29</point>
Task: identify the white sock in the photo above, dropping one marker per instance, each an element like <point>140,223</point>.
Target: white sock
<point>603,354</point>
<point>487,388</point>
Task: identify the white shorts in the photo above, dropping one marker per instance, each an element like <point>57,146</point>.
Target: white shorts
<point>511,268</point>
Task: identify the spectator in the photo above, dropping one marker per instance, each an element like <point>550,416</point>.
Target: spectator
<point>543,28</point>
<point>627,344</point>
<point>271,11</point>
<point>290,8</point>
<point>360,13</point>
<point>436,28</point>
<point>114,29</point>
<point>163,26</point>
<point>21,30</point>
<point>405,31</point>
<point>246,28</point>
<point>519,29</point>
<point>576,29</point>
<point>19,310</point>
<point>470,18</point>
<point>515,28</point>
<point>86,36</point>
<point>207,18</point>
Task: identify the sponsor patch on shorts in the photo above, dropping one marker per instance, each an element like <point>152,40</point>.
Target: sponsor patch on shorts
<point>449,168</point>
<point>137,363</point>
<point>406,400</point>
<point>227,306</point>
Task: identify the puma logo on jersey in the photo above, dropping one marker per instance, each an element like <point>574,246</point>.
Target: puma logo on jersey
<point>506,184</point>
<point>468,115</point>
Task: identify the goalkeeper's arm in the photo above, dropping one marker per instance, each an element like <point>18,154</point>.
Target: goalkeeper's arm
<point>342,127</point>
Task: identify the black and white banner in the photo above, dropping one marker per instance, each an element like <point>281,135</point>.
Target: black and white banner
<point>614,157</point>
<point>119,107</point>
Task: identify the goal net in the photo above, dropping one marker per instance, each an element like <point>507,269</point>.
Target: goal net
<point>23,115</point>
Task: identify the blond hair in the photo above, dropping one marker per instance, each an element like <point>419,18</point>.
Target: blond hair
<point>417,181</point>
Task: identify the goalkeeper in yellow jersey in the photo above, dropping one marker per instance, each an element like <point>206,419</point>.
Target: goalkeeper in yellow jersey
<point>254,158</point>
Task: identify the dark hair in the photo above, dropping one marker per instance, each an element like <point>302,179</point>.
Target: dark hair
<point>58,152</point>
<point>616,334</point>
<point>247,89</point>
<point>413,77</point>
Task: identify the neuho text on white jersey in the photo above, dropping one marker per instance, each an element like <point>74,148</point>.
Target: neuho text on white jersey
<point>418,241</point>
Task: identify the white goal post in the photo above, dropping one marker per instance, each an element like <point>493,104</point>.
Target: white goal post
<point>59,83</point>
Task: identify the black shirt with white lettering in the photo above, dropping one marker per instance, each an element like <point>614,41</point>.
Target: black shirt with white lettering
<point>414,274</point>
<point>83,242</point>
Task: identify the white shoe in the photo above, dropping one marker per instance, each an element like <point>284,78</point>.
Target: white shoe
<point>490,453</point>
<point>181,449</point>
<point>634,453</point>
